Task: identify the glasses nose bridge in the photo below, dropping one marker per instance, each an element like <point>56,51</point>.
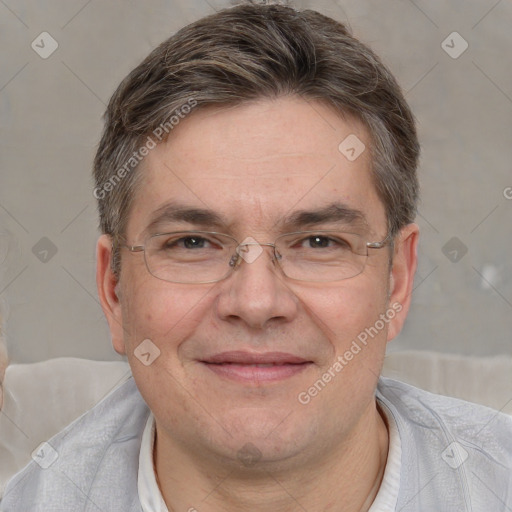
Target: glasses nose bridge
<point>264,244</point>
<point>268,244</point>
<point>237,258</point>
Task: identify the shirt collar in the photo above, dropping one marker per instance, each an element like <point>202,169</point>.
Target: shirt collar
<point>387,497</point>
<point>151,498</point>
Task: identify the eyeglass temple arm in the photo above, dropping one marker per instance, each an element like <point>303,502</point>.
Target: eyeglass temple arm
<point>131,248</point>
<point>380,245</point>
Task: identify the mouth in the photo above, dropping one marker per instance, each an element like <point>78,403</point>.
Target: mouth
<point>249,367</point>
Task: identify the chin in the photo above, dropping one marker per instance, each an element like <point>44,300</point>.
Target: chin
<point>260,434</point>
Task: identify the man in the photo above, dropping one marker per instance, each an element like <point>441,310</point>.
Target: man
<point>256,183</point>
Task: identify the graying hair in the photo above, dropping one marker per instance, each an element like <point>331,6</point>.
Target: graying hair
<point>246,53</point>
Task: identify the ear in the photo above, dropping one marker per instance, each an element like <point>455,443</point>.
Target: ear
<point>405,260</point>
<point>107,284</point>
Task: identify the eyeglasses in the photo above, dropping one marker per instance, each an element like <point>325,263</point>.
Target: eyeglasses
<point>195,257</point>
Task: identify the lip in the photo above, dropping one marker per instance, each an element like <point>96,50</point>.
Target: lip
<point>246,367</point>
<point>243,357</point>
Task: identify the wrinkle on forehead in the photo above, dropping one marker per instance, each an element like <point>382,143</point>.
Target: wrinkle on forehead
<point>257,165</point>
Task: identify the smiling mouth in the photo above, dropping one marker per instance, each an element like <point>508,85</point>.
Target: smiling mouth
<point>267,365</point>
<point>256,368</point>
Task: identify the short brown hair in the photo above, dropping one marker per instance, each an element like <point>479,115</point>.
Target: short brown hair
<point>242,54</point>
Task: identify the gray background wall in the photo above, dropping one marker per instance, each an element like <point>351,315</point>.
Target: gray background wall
<point>50,122</point>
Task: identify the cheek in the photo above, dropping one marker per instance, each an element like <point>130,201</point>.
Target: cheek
<point>163,312</point>
<point>343,311</point>
<point>159,318</point>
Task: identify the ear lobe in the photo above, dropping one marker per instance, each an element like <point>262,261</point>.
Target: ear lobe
<point>108,292</point>
<point>401,279</point>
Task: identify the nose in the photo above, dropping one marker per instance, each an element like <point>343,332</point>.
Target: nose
<point>256,293</point>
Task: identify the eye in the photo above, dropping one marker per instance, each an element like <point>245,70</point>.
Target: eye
<point>318,241</point>
<point>188,242</point>
<point>191,242</point>
<point>323,242</point>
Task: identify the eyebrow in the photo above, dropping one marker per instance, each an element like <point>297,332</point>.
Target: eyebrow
<point>205,218</point>
<point>334,212</point>
<point>176,212</point>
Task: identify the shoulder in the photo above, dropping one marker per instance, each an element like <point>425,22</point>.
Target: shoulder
<point>457,416</point>
<point>458,453</point>
<point>93,460</point>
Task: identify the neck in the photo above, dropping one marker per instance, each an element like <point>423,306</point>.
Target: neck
<point>346,479</point>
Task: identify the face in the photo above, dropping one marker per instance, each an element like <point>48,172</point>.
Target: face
<point>255,166</point>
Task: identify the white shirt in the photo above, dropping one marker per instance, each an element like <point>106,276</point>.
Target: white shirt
<point>151,498</point>
<point>452,455</point>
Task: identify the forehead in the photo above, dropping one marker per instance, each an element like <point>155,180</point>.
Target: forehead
<point>257,163</point>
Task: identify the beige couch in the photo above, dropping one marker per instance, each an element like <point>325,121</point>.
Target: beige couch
<point>41,398</point>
